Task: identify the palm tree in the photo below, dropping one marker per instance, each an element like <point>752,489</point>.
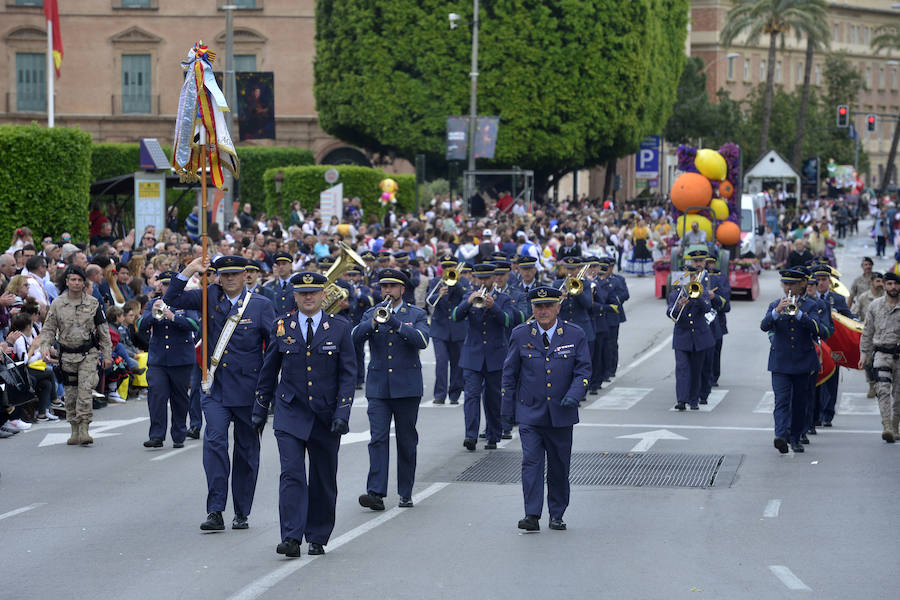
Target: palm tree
<point>888,38</point>
<point>817,40</point>
<point>773,18</point>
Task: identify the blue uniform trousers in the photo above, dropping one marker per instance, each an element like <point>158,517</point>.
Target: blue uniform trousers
<point>599,349</point>
<point>168,386</point>
<point>489,382</point>
<point>791,390</point>
<point>707,376</point>
<point>446,358</point>
<point>405,412</point>
<point>215,456</point>
<point>812,395</point>
<point>554,444</point>
<point>688,375</point>
<point>194,409</point>
<point>308,508</point>
<point>830,403</point>
<point>613,358</point>
<point>360,363</point>
<point>717,361</point>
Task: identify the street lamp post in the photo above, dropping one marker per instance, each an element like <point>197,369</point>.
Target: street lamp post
<point>469,187</point>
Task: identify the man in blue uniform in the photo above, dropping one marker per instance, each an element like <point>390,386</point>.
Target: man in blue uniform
<point>401,260</point>
<point>238,325</point>
<point>720,281</point>
<point>718,303</point>
<point>526,282</point>
<point>393,388</point>
<point>502,269</point>
<point>604,317</point>
<point>314,355</point>
<point>691,339</point>
<point>482,356</point>
<point>170,361</point>
<point>622,296</point>
<point>279,290</point>
<point>792,357</point>
<point>447,335</point>
<point>545,375</point>
<point>817,394</point>
<point>837,303</point>
<point>576,308</point>
<point>253,272</point>
<point>609,289</point>
<point>360,301</point>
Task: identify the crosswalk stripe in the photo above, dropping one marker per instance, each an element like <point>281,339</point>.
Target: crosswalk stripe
<point>853,403</point>
<point>766,404</point>
<point>619,398</point>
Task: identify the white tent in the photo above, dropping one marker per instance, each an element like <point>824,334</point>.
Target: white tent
<point>771,168</point>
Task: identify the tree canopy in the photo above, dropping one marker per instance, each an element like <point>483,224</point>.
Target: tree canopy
<point>574,82</point>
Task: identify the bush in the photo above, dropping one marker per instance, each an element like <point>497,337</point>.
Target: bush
<point>45,178</point>
<point>112,160</point>
<point>255,160</point>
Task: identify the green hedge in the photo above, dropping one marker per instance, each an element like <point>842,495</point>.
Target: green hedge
<point>304,184</point>
<point>255,160</point>
<point>112,160</point>
<point>45,177</point>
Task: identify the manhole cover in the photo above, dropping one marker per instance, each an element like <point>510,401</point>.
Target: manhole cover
<point>617,469</point>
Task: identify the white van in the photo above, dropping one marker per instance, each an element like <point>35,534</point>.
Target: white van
<point>753,215</point>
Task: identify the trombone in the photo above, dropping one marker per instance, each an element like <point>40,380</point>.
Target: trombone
<point>449,278</point>
<point>693,289</point>
<point>383,312</point>
<point>573,285</point>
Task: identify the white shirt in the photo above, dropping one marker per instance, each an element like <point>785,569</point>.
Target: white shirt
<point>549,332</point>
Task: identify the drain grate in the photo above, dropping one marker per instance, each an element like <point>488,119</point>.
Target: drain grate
<point>612,469</point>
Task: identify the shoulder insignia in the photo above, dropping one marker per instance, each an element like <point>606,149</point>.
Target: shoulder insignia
<point>280,330</point>
<point>559,330</point>
<point>403,310</point>
<point>533,331</point>
<point>325,325</point>
<point>293,324</point>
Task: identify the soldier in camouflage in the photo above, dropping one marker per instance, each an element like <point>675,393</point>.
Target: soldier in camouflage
<point>77,322</point>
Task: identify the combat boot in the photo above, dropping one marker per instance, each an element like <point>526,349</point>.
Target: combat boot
<point>86,437</point>
<point>75,438</point>
<point>887,435</point>
<point>871,392</point>
<point>896,427</point>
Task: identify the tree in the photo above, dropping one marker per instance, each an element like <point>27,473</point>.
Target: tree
<point>773,18</point>
<point>815,40</point>
<point>575,82</point>
<point>887,38</point>
<point>694,117</point>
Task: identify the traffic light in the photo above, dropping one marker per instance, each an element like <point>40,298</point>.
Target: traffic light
<point>843,115</point>
<point>870,122</point>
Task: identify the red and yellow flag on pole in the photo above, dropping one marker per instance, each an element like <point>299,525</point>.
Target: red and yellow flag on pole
<point>51,13</point>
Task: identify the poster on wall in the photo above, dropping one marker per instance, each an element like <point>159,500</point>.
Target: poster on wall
<point>256,104</point>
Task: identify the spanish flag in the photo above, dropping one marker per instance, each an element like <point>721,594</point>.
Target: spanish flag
<point>844,342</point>
<point>51,13</point>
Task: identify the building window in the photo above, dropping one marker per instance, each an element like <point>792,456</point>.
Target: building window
<point>869,77</point>
<point>244,62</point>
<point>881,79</point>
<point>836,32</point>
<point>136,92</point>
<point>29,3</point>
<point>241,4</point>
<point>762,69</point>
<point>799,79</point>
<point>867,36</point>
<point>778,71</point>
<point>31,82</point>
<point>819,74</point>
<point>746,69</point>
<point>893,79</point>
<point>731,68</point>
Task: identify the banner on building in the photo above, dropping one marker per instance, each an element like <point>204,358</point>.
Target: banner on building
<point>256,104</point>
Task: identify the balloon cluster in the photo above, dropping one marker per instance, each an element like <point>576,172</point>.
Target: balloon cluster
<point>707,188</point>
<point>388,191</point>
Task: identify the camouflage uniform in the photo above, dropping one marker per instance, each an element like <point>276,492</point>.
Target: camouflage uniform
<point>862,302</point>
<point>71,322</point>
<point>881,338</point>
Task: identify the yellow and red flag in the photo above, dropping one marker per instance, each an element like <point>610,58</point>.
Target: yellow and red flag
<point>844,341</point>
<point>51,13</point>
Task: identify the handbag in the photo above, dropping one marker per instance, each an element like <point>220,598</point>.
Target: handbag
<point>15,382</point>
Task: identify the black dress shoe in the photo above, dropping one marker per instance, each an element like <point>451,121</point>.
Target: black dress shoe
<point>506,435</point>
<point>680,406</point>
<point>715,384</point>
<point>490,446</point>
<point>469,444</point>
<point>193,433</point>
<point>178,444</point>
<point>436,401</point>
<point>812,430</point>
<point>213,522</point>
<point>153,443</point>
<point>454,400</point>
<point>797,447</point>
<point>594,391</point>
<point>315,549</point>
<point>818,423</point>
<point>826,424</point>
<point>405,502</point>
<point>530,523</point>
<point>703,401</point>
<point>804,439</point>
<point>239,522</point>
<point>695,407</point>
<point>781,444</point>
<point>557,524</point>
<point>289,547</point>
<point>371,501</point>
<point>482,435</point>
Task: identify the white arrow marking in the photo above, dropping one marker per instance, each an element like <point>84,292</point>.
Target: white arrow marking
<point>648,438</point>
<point>358,436</point>
<point>97,431</point>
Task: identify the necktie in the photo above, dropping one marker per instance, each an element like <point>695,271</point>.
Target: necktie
<point>284,286</point>
<point>309,331</point>
<point>546,340</point>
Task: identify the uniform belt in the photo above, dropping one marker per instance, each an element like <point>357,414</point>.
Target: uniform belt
<point>76,349</point>
<point>895,350</point>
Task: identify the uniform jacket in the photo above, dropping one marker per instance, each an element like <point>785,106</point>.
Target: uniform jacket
<point>282,299</point>
<point>236,375</point>
<point>442,326</point>
<point>602,313</point>
<point>792,339</point>
<point>621,294</point>
<point>485,344</point>
<point>71,323</point>
<point>535,381</point>
<point>518,298</point>
<point>723,285</point>
<point>577,309</point>
<point>692,332</point>
<point>394,368</point>
<point>316,384</point>
<point>171,342</point>
<point>838,304</point>
<point>521,302</point>
<point>360,300</point>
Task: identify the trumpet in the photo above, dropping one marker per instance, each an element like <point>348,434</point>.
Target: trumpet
<point>791,308</point>
<point>382,312</point>
<point>159,310</point>
<point>478,301</point>
<point>573,285</point>
<point>449,278</point>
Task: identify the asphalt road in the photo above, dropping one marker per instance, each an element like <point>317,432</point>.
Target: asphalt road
<point>116,520</point>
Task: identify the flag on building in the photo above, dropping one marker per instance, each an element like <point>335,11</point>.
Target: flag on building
<point>51,13</point>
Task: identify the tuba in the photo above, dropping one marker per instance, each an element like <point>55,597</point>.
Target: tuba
<point>334,293</point>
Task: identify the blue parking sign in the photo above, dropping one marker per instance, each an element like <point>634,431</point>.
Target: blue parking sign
<point>647,158</point>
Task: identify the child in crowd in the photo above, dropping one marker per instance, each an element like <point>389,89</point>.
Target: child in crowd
<point>23,334</point>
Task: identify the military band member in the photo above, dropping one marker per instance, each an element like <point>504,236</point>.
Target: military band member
<point>610,290</point>
<point>279,290</point>
<point>401,262</point>
<point>170,360</point>
<point>691,339</point>
<point>482,355</point>
<point>314,356</point>
<point>234,368</point>
<point>815,399</point>
<point>622,295</point>
<point>77,322</point>
<point>860,305</point>
<point>447,335</point>
<point>360,300</point>
<point>527,282</point>
<point>792,357</point>
<point>604,318</point>
<point>837,303</point>
<point>393,388</point>
<point>719,303</point>
<point>253,272</point>
<point>369,259</point>
<point>545,375</point>
<point>880,344</point>
<point>720,281</point>
<point>502,270</point>
<point>576,308</point>
<point>324,263</point>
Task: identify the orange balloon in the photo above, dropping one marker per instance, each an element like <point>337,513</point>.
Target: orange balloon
<point>728,233</point>
<point>726,190</point>
<point>691,189</point>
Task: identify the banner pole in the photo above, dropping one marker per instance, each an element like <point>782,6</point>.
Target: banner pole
<point>203,237</point>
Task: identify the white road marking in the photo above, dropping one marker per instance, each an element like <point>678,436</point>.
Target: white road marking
<point>175,451</point>
<point>772,509</point>
<point>766,404</point>
<point>619,398</point>
<point>663,344</point>
<point>505,443</point>
<point>267,582</point>
<point>709,427</point>
<point>853,403</point>
<point>648,438</point>
<point>715,396</point>
<point>360,436</point>
<point>19,511</point>
<point>791,581</point>
<point>431,404</point>
<point>97,430</point>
